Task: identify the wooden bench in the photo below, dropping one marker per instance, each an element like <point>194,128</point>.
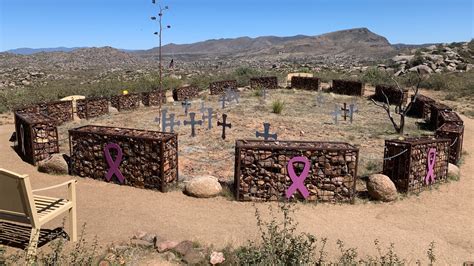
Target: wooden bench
<point>19,204</point>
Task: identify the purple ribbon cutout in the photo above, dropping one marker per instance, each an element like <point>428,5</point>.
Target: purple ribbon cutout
<point>431,164</point>
<point>298,181</point>
<point>114,165</point>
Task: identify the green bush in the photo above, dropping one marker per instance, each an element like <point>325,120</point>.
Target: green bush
<point>277,106</point>
<point>281,245</point>
<point>375,76</point>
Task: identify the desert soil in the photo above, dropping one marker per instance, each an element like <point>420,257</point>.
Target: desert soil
<point>114,213</point>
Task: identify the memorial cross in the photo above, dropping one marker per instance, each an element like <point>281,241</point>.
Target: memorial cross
<point>266,132</point>
<point>224,125</point>
<point>193,122</point>
<point>345,110</point>
<point>186,104</point>
<point>208,117</point>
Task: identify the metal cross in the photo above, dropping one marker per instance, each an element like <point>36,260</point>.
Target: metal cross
<point>266,132</point>
<point>345,110</point>
<point>171,123</point>
<point>337,111</point>
<point>208,117</point>
<point>264,92</point>
<point>186,104</point>
<point>320,98</point>
<point>223,100</point>
<point>232,95</point>
<point>193,122</point>
<point>224,125</point>
<point>352,109</point>
<point>203,108</point>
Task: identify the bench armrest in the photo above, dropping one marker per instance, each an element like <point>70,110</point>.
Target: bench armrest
<point>56,186</point>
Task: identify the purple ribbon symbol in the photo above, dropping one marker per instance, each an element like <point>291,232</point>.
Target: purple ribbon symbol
<point>114,165</point>
<point>298,181</point>
<point>431,163</point>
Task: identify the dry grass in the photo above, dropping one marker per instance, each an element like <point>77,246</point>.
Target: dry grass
<point>302,119</point>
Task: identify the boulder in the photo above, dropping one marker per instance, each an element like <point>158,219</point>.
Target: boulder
<point>55,164</point>
<point>166,245</point>
<point>184,247</point>
<point>203,187</point>
<point>216,258</point>
<point>113,110</point>
<point>453,170</point>
<point>380,187</point>
<point>169,100</point>
<point>194,257</point>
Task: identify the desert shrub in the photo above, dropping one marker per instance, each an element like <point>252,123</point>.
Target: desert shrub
<point>375,76</point>
<point>277,106</point>
<point>281,245</point>
<point>244,74</point>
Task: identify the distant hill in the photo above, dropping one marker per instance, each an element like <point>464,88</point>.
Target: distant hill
<point>29,51</point>
<point>360,42</point>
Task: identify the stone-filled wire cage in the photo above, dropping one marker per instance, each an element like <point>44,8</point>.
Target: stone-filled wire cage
<point>435,111</point>
<point>306,83</point>
<point>126,102</point>
<point>454,132</point>
<point>261,172</point>
<point>449,117</point>
<point>92,107</point>
<point>348,87</point>
<point>179,94</point>
<point>153,98</point>
<point>406,162</point>
<point>27,109</point>
<point>37,136</point>
<point>150,158</point>
<point>421,107</point>
<point>270,83</point>
<point>219,87</point>
<point>395,96</point>
<point>62,111</point>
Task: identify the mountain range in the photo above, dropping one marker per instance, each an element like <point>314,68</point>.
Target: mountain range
<point>360,42</point>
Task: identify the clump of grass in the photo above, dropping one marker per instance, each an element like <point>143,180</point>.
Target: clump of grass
<point>277,106</point>
<point>258,92</point>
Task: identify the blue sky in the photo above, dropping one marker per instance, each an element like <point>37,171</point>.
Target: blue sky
<point>126,24</point>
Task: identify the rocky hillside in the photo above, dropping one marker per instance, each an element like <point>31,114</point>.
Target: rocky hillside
<point>456,57</point>
<point>359,42</point>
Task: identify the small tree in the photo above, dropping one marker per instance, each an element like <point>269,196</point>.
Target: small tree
<point>400,109</point>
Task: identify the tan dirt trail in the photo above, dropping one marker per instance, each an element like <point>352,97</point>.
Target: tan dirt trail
<point>114,213</point>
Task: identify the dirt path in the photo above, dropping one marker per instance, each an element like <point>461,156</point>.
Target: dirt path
<point>114,213</point>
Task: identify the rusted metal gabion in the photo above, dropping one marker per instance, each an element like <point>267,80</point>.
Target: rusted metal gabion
<point>261,170</point>
<point>394,95</point>
<point>406,162</point>
<point>92,107</point>
<point>126,102</point>
<point>179,94</point>
<point>435,111</point>
<point>348,87</point>
<point>218,87</point>
<point>448,117</point>
<point>306,83</point>
<point>421,107</point>
<point>454,132</point>
<point>37,136</point>
<point>270,83</point>
<point>153,98</point>
<point>150,158</point>
<point>62,111</point>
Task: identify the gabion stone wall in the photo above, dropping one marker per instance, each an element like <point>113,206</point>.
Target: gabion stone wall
<point>150,158</point>
<point>270,83</point>
<point>179,94</point>
<point>305,83</point>
<point>454,132</point>
<point>37,136</point>
<point>153,98</point>
<point>218,87</point>
<point>261,170</point>
<point>394,95</point>
<point>92,107</point>
<point>449,117</point>
<point>27,109</point>
<point>435,111</point>
<point>409,167</point>
<point>59,110</point>
<point>348,87</point>
<point>421,108</point>
<point>126,102</point>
